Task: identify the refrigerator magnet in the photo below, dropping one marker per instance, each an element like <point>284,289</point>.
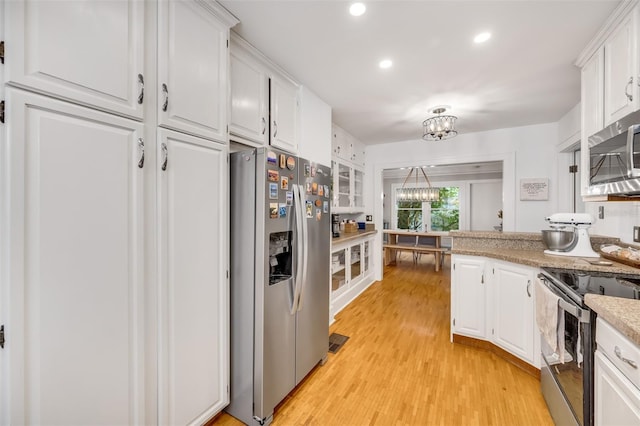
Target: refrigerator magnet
<point>273,191</point>
<point>309,209</point>
<point>326,191</point>
<point>289,195</point>
<point>314,188</point>
<point>271,157</point>
<point>313,171</point>
<point>318,203</point>
<point>283,161</point>
<point>308,187</point>
<point>282,210</point>
<point>325,206</point>
<point>273,210</point>
<point>320,190</point>
<point>273,175</point>
<point>307,170</point>
<point>284,182</point>
<point>318,214</point>
<point>291,163</point>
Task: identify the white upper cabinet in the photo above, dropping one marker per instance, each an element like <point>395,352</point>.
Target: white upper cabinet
<point>75,265</point>
<point>193,67</point>
<point>85,51</point>
<point>249,98</point>
<point>346,147</point>
<point>592,94</point>
<point>621,70</point>
<point>284,113</point>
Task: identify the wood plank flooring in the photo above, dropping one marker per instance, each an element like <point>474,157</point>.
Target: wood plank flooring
<point>399,367</point>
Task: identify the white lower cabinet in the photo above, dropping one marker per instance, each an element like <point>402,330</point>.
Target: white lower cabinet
<point>616,378</point>
<point>494,300</point>
<point>513,309</point>
<point>72,265</point>
<point>468,290</point>
<point>193,286</point>
<point>351,271</point>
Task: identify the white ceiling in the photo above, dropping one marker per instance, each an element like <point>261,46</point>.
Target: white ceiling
<point>525,74</point>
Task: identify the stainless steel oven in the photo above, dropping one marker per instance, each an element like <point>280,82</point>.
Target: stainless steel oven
<point>567,385</point>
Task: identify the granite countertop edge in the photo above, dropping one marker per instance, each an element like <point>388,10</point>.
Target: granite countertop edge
<point>622,314</point>
<point>348,236</point>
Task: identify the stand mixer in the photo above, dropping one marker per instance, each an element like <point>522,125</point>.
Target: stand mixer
<point>580,222</point>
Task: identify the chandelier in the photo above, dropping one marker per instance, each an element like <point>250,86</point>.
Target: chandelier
<point>439,127</point>
<point>423,194</point>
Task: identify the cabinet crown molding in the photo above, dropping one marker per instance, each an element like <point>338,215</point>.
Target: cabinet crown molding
<point>616,17</point>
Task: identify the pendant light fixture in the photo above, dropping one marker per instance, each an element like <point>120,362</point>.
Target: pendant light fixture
<point>439,127</point>
<point>424,194</point>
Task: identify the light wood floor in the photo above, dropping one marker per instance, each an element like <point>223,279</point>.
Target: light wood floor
<point>399,367</point>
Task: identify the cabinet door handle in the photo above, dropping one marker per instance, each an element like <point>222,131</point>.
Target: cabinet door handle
<point>275,128</point>
<point>165,156</point>
<point>141,83</point>
<point>482,279</point>
<point>626,92</point>
<point>165,90</point>
<point>631,362</point>
<point>528,287</point>
<point>264,125</point>
<point>141,153</point>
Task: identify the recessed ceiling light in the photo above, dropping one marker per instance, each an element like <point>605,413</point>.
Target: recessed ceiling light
<point>482,37</point>
<point>385,63</point>
<point>357,9</point>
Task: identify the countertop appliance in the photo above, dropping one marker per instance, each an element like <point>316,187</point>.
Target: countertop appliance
<point>568,386</point>
<point>580,222</point>
<point>280,249</point>
<point>614,156</point>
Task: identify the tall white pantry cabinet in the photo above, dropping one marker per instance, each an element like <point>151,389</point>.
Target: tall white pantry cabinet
<point>113,226</point>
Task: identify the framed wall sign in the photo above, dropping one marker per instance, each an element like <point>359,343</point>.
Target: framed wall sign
<point>534,189</point>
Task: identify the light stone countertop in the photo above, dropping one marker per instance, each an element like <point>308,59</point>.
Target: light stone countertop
<point>622,314</point>
<point>527,249</point>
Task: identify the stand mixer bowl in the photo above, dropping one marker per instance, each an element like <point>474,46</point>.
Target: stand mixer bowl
<point>559,240</point>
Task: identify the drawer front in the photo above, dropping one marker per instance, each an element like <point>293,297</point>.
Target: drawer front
<point>621,351</point>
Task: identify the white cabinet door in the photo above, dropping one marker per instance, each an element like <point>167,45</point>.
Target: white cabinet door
<point>192,69</point>
<point>86,51</point>
<point>513,314</point>
<point>468,296</point>
<point>357,152</point>
<point>73,265</point>
<point>592,94</point>
<point>621,71</point>
<point>340,146</point>
<point>193,262</point>
<point>617,400</point>
<point>249,98</point>
<point>284,114</point>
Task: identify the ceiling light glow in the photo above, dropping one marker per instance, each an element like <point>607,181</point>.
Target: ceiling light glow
<point>357,9</point>
<point>385,63</point>
<point>482,37</point>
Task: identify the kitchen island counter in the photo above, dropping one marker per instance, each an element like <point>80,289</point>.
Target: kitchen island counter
<point>623,314</point>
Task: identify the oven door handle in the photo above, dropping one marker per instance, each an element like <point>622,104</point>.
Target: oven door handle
<point>581,314</point>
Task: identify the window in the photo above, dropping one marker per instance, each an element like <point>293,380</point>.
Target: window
<point>444,214</point>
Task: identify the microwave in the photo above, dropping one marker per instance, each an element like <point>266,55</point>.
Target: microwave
<point>614,158</point>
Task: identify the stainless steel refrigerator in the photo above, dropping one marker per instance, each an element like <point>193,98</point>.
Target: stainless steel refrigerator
<point>280,249</point>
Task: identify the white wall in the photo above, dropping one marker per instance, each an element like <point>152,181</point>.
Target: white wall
<point>619,219</point>
<point>526,152</point>
<point>485,199</point>
<point>315,128</point>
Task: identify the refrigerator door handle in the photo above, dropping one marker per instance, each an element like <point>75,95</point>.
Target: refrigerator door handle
<point>305,241</point>
<point>298,209</point>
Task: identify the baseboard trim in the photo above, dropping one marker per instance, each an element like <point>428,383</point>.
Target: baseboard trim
<point>498,351</point>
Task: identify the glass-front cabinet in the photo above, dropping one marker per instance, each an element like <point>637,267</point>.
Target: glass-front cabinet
<point>348,179</point>
<point>351,270</point>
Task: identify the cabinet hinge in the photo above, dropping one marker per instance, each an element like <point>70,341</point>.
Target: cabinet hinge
<point>482,279</point>
<point>227,274</point>
<point>573,169</point>
<point>493,271</point>
<point>2,51</point>
<point>2,111</point>
<point>492,332</point>
<point>2,336</point>
<point>454,266</point>
<point>227,43</point>
<point>454,322</point>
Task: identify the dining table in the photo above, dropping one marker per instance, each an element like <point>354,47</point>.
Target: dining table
<point>393,244</point>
